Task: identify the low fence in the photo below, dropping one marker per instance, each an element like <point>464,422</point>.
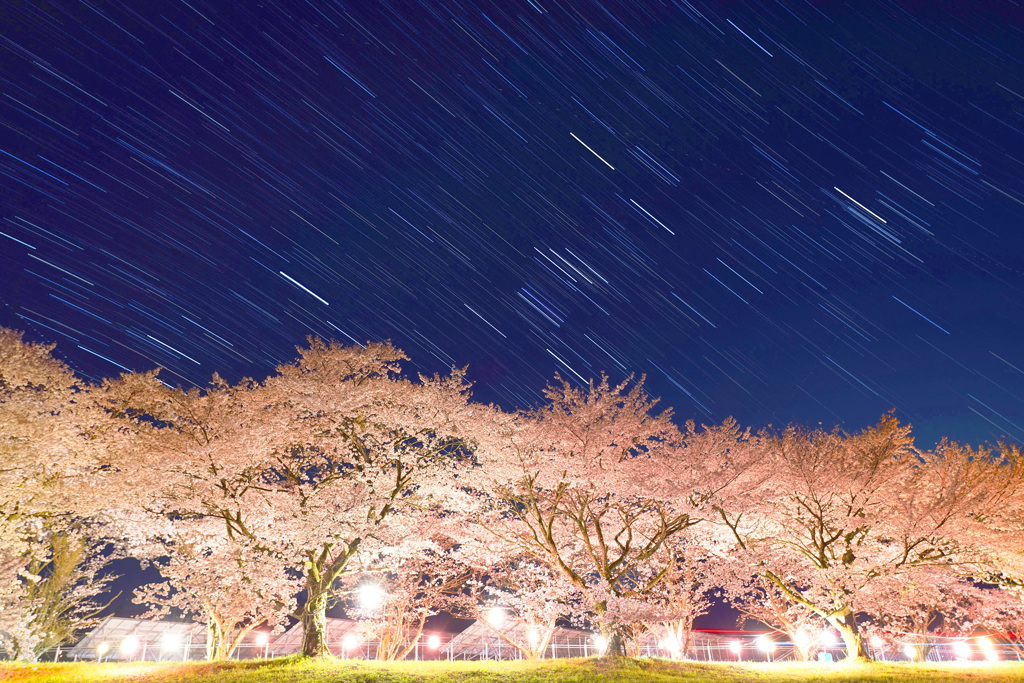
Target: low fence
<point>707,647</point>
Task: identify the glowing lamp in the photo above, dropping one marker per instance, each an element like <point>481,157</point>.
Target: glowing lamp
<point>801,639</point>
<point>766,644</point>
<point>102,649</point>
<point>349,642</point>
<point>262,639</point>
<point>600,643</point>
<point>496,617</point>
<point>910,651</point>
<point>129,646</point>
<point>170,641</point>
<point>877,642</point>
<point>371,596</point>
<point>434,642</point>
<point>828,638</point>
<point>735,647</point>
<point>533,636</point>
<point>961,649</point>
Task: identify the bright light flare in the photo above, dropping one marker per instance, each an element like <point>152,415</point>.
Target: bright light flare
<point>434,642</point>
<point>170,641</point>
<point>496,617</point>
<point>371,596</point>
<point>129,646</point>
<point>533,636</point>
<point>877,642</point>
<point>801,638</point>
<point>735,647</point>
<point>102,649</point>
<point>766,644</point>
<point>828,638</point>
<point>262,639</point>
<point>961,649</point>
<point>350,642</point>
<point>910,651</point>
<point>600,643</point>
<point>990,651</point>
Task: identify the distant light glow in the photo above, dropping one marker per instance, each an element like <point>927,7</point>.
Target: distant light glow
<point>735,647</point>
<point>170,641</point>
<point>600,643</point>
<point>129,646</point>
<point>262,639</point>
<point>910,651</point>
<point>533,636</point>
<point>962,649</point>
<point>828,638</point>
<point>102,649</point>
<point>496,617</point>
<point>766,644</point>
<point>877,642</point>
<point>371,596</point>
<point>434,642</point>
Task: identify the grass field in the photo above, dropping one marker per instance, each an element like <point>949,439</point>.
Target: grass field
<point>292,670</point>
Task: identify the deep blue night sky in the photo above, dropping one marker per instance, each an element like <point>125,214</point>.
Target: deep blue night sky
<point>781,211</point>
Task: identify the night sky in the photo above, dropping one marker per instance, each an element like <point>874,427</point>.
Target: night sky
<point>781,211</point>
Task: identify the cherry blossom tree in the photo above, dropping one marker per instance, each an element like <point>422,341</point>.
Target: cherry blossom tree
<point>52,469</point>
<point>396,591</point>
<point>840,513</point>
<point>686,593</point>
<point>306,466</point>
<point>923,600</point>
<point>58,598</point>
<point>229,584</point>
<point>762,601</point>
<point>522,601</point>
<point>594,483</point>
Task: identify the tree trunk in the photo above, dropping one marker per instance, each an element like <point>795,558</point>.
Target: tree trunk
<point>314,622</point>
<point>616,643</point>
<point>612,632</point>
<point>846,623</point>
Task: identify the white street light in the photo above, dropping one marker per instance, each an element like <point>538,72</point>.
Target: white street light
<point>371,596</point>
<point>434,642</point>
<point>736,647</point>
<point>600,644</point>
<point>129,646</point>
<point>101,650</point>
<point>496,617</point>
<point>801,639</point>
<point>910,651</point>
<point>766,644</point>
<point>348,643</point>
<point>170,641</point>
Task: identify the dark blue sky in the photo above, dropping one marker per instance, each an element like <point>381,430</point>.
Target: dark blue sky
<point>781,211</point>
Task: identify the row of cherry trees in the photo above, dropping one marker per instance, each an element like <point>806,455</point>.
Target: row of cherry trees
<point>266,499</point>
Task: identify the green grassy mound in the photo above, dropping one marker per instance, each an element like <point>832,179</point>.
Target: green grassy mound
<point>291,670</point>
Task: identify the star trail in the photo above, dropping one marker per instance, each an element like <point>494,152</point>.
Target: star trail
<point>776,210</point>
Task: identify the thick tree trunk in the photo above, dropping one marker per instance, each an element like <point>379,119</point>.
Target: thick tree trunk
<point>615,644</point>
<point>314,622</point>
<point>216,641</point>
<point>846,623</point>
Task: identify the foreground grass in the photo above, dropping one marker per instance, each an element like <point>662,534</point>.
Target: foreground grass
<point>291,670</point>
